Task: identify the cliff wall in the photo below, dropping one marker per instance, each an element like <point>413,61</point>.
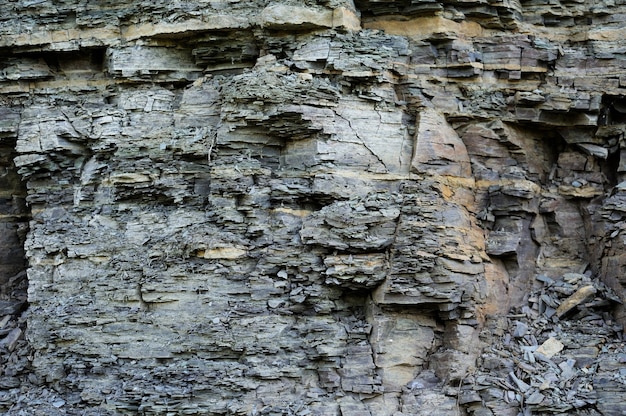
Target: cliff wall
<point>328,207</point>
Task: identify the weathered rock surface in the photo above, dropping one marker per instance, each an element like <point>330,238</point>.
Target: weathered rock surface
<point>316,208</point>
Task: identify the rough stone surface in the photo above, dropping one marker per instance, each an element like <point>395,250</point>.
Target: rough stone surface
<point>326,207</point>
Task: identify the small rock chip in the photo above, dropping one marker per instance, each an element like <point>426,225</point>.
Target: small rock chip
<point>10,307</point>
<point>11,339</point>
<point>567,369</point>
<point>9,382</point>
<point>58,403</point>
<point>544,279</point>
<point>469,397</point>
<point>520,329</point>
<point>521,385</point>
<point>550,347</point>
<point>535,398</point>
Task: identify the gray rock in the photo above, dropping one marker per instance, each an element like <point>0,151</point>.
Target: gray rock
<point>281,207</point>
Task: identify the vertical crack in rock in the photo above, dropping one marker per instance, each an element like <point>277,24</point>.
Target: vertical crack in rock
<point>360,139</point>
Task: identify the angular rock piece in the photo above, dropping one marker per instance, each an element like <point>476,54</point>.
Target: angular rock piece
<point>10,307</point>
<point>279,16</point>
<point>578,297</point>
<point>550,347</point>
<point>355,271</point>
<point>145,62</point>
<point>535,398</point>
<point>439,148</point>
<point>10,341</point>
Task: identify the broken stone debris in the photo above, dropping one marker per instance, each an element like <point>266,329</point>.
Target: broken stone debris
<point>556,367</point>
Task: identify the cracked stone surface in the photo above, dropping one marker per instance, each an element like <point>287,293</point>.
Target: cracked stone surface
<point>328,207</point>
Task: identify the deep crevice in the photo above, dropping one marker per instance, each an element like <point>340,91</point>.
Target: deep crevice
<point>14,222</point>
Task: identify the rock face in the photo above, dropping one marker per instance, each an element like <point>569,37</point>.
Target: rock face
<point>326,207</point>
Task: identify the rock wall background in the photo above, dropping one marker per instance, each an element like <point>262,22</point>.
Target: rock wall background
<point>312,208</point>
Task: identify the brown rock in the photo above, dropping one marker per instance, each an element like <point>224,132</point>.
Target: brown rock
<point>580,296</point>
<point>550,347</point>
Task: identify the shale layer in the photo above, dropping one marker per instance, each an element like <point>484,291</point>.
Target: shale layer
<point>327,207</point>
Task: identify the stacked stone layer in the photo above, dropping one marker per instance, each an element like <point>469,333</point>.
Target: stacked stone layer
<point>331,207</point>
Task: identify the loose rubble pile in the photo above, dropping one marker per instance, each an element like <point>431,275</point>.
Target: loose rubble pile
<point>560,353</point>
<point>15,350</point>
<point>326,207</point>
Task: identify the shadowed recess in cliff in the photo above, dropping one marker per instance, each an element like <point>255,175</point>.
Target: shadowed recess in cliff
<point>492,15</point>
<point>14,217</point>
<point>52,66</point>
<point>183,58</point>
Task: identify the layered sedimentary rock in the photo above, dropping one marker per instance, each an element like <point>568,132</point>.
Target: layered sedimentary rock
<point>312,208</point>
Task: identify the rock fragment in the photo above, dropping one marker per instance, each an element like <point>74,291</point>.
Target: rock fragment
<point>550,347</point>
<point>577,298</point>
<point>11,339</point>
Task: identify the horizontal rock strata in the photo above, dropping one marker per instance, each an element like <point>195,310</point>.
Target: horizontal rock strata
<point>315,208</point>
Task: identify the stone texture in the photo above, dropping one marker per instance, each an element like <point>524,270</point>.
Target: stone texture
<point>317,208</point>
